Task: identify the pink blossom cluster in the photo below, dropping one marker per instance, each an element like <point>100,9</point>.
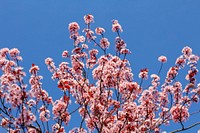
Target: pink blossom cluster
<point>99,30</point>
<point>108,98</point>
<point>88,18</point>
<point>104,43</point>
<point>116,27</point>
<point>60,110</point>
<point>144,73</point>
<point>179,113</point>
<point>73,29</point>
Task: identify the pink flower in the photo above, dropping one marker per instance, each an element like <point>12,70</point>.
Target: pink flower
<point>162,59</point>
<point>58,129</point>
<point>88,18</point>
<point>4,122</point>
<point>179,113</point>
<point>2,62</point>
<point>77,50</point>
<point>48,61</point>
<point>171,74</point>
<point>80,39</point>
<point>63,66</point>
<point>58,108</point>
<point>116,26</point>
<point>18,71</point>
<point>125,51</point>
<point>63,84</point>
<point>119,44</point>
<point>65,54</point>
<point>91,63</point>
<point>44,115</point>
<point>104,43</point>
<point>155,77</point>
<point>51,66</point>
<point>155,81</point>
<point>34,69</point>
<point>181,61</point>
<point>177,86</point>
<point>187,51</point>
<point>133,86</point>
<point>99,30</point>
<point>191,74</point>
<point>28,117</point>
<point>65,117</point>
<point>31,102</point>
<point>73,27</point>
<point>85,46</point>
<point>90,123</point>
<point>14,52</point>
<point>93,53</point>
<point>49,100</point>
<point>3,52</point>
<point>89,34</point>
<point>143,73</point>
<point>193,59</point>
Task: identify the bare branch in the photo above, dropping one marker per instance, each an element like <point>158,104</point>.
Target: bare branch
<point>183,129</point>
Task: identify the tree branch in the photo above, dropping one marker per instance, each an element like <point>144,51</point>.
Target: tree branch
<point>183,129</point>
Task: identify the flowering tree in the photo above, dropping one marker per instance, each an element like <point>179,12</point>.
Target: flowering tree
<point>108,98</point>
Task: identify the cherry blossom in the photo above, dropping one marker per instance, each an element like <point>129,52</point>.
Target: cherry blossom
<point>4,51</point>
<point>88,18</point>
<point>143,73</point>
<point>116,27</point>
<point>89,34</point>
<point>99,30</point>
<point>187,51</point>
<point>162,59</point>
<point>179,113</point>
<point>73,27</point>
<point>102,87</point>
<point>104,43</point>
<point>65,54</point>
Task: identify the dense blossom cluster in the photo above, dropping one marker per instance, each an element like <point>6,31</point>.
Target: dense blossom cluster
<point>109,99</point>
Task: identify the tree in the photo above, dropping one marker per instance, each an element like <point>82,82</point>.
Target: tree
<point>103,86</point>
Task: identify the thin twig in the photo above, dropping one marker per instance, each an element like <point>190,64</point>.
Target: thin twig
<point>179,130</point>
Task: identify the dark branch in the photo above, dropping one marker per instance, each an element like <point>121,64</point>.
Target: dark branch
<point>183,129</point>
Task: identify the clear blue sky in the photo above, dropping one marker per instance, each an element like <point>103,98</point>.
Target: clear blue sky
<point>151,28</point>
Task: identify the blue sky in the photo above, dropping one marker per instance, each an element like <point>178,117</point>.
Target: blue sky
<point>151,28</point>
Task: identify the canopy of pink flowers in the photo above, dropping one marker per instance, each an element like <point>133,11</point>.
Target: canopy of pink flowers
<point>110,101</point>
